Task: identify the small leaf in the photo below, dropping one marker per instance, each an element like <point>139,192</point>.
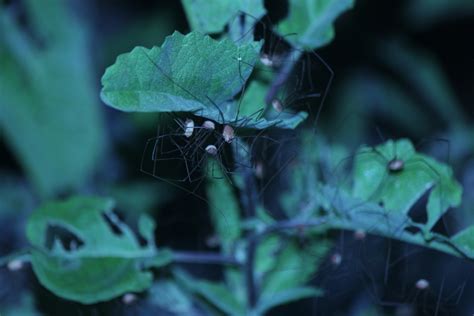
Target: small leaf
<point>83,252</point>
<point>224,207</point>
<point>290,295</point>
<point>310,22</point>
<point>465,240</point>
<point>252,107</point>
<point>215,293</point>
<point>212,16</point>
<point>171,297</point>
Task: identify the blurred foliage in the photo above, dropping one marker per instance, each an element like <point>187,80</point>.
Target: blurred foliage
<point>309,23</point>
<point>426,13</point>
<point>81,250</point>
<point>212,16</point>
<point>49,112</point>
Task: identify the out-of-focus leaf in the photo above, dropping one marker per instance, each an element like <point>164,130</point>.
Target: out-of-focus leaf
<point>16,198</point>
<point>310,22</point>
<point>293,266</point>
<point>26,307</point>
<point>169,296</point>
<point>426,13</point>
<point>368,92</point>
<point>425,76</point>
<point>259,116</point>
<point>140,196</point>
<point>211,16</point>
<point>285,297</point>
<point>49,113</point>
<point>83,252</point>
<point>465,240</point>
<point>224,207</point>
<point>399,190</point>
<point>214,293</point>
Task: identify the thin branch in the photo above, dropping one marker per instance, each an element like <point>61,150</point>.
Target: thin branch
<point>282,76</point>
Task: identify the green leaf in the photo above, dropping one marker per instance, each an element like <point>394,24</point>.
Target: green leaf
<point>399,190</point>
<point>292,266</point>
<point>465,240</point>
<point>47,97</point>
<point>224,207</point>
<point>252,107</point>
<point>83,252</point>
<point>310,22</point>
<point>285,297</point>
<point>170,296</point>
<point>216,294</point>
<point>350,213</point>
<point>89,280</point>
<point>212,16</point>
<point>191,73</point>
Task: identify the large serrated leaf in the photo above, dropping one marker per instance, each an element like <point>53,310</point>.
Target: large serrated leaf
<point>309,23</point>
<point>191,73</point>
<point>102,259</point>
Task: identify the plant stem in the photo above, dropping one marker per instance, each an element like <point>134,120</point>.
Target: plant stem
<point>277,83</point>
<point>204,258</point>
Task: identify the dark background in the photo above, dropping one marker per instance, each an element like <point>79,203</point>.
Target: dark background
<point>363,278</point>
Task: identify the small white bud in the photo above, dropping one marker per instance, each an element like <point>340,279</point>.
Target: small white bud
<point>129,298</point>
<point>259,170</point>
<point>422,284</point>
<point>211,150</point>
<point>266,60</point>
<point>15,265</point>
<point>277,105</point>
<point>228,133</point>
<point>359,234</point>
<point>336,259</point>
<point>209,125</point>
<point>188,128</point>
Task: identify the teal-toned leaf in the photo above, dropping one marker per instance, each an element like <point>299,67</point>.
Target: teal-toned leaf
<point>291,266</point>
<point>399,190</point>
<point>47,97</point>
<point>252,107</point>
<point>82,251</point>
<point>224,207</point>
<point>427,13</point>
<point>171,297</point>
<point>192,73</point>
<point>465,240</point>
<point>310,22</point>
<point>381,95</point>
<point>214,293</point>
<point>89,280</point>
<point>284,297</point>
<point>212,16</point>
<point>140,196</point>
<point>350,213</point>
<point>429,81</point>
